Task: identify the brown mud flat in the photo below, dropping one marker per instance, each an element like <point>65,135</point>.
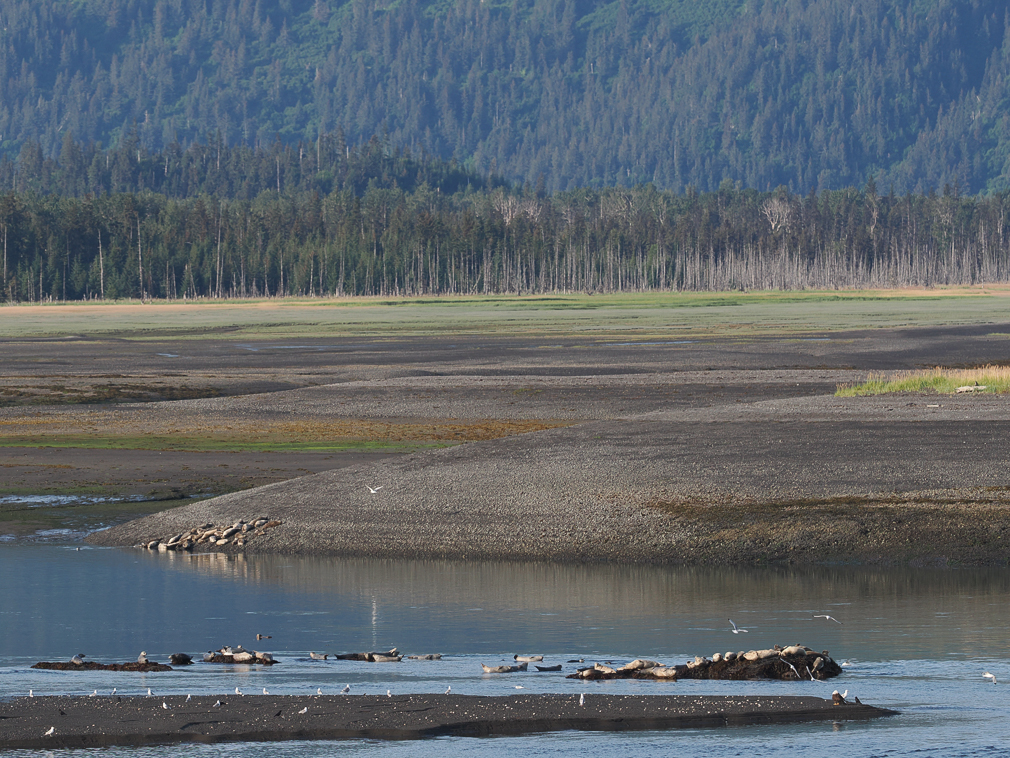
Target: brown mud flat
<point>105,721</point>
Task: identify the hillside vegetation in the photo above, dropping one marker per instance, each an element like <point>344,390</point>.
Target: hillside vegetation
<point>810,94</point>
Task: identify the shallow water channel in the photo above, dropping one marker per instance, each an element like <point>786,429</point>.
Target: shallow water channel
<point>917,640</point>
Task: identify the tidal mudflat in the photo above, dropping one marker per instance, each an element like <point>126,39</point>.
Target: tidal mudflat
<point>669,429</point>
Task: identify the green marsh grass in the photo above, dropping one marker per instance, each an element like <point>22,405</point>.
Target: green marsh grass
<point>936,381</point>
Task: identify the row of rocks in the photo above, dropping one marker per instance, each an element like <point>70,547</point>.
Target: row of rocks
<point>793,662</point>
<point>213,535</point>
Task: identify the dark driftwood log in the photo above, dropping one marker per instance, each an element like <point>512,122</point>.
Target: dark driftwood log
<point>94,666</point>
<point>819,665</point>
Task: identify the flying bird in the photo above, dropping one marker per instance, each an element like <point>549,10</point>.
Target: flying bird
<point>794,670</point>
<point>736,629</point>
<point>304,710</point>
<point>826,616</point>
<point>374,490</point>
<point>987,675</point>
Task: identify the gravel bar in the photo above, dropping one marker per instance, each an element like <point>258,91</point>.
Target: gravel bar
<point>86,722</point>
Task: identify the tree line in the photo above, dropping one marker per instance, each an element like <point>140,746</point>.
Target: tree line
<point>394,242</point>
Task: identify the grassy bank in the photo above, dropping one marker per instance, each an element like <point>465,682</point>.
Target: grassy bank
<point>601,316</point>
<point>937,381</point>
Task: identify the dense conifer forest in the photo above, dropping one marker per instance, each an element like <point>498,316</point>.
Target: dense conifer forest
<point>211,221</point>
<point>809,94</point>
<point>256,148</point>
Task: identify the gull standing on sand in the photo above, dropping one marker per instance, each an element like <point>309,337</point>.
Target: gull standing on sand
<point>448,689</point>
<point>216,704</point>
<point>149,693</point>
<point>582,699</point>
<point>52,730</point>
<point>188,698</point>
<point>304,710</point>
<point>31,693</point>
<point>736,629</point>
<point>987,675</point>
<point>265,691</point>
<point>164,705</point>
<point>389,693</point>
<point>346,689</point>
<point>374,490</point>
<point>94,694</point>
<point>111,694</point>
<point>826,616</point>
<point>238,691</point>
<point>319,690</point>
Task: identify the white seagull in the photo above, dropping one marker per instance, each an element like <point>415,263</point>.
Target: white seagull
<point>238,691</point>
<point>319,690</point>
<point>113,692</point>
<point>94,694</point>
<point>374,490</point>
<point>31,693</point>
<point>346,689</point>
<point>164,705</point>
<point>736,629</point>
<point>987,675</point>
<point>582,699</point>
<point>149,693</point>
<point>265,691</point>
<point>304,710</point>
<point>217,703</point>
<point>826,616</point>
<point>188,698</point>
<point>389,693</point>
<point>52,730</point>
<point>794,670</point>
<point>448,689</point>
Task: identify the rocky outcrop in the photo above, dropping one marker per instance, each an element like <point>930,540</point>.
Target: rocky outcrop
<point>793,662</point>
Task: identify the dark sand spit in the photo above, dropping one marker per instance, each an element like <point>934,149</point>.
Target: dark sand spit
<point>104,721</point>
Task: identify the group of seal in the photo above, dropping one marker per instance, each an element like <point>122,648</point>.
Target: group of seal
<point>211,535</point>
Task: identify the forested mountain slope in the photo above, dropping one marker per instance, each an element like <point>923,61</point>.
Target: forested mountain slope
<point>811,94</point>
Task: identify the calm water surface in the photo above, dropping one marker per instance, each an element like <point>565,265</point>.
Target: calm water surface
<point>918,640</point>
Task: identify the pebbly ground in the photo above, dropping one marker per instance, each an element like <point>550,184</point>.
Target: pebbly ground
<point>104,721</point>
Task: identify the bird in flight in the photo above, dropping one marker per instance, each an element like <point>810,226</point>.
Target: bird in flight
<point>826,616</point>
<point>736,629</point>
<point>374,490</point>
<point>987,675</point>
